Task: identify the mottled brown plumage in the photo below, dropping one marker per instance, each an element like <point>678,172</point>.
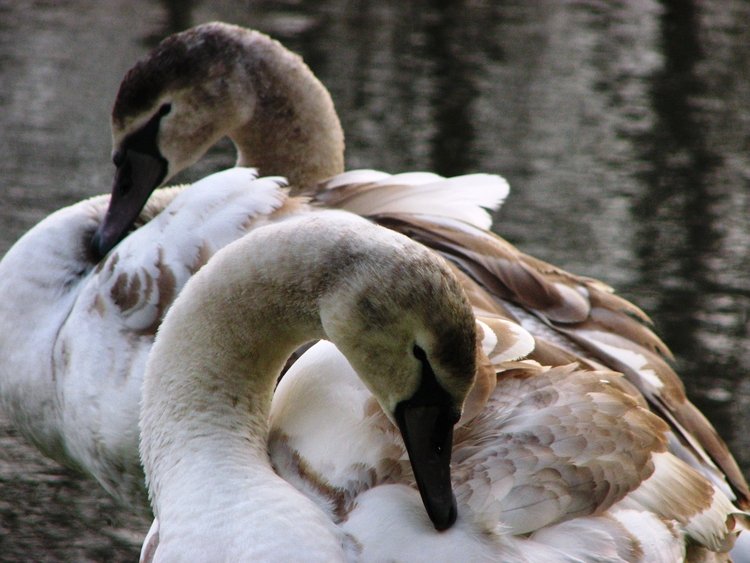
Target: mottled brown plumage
<point>606,328</point>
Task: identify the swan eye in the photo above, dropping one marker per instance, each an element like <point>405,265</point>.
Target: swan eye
<point>164,109</point>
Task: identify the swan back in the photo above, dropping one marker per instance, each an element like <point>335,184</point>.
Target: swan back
<point>467,198</point>
<point>40,277</point>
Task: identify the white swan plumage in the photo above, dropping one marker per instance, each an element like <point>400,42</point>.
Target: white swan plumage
<point>281,118</point>
<point>560,465</point>
<point>75,332</point>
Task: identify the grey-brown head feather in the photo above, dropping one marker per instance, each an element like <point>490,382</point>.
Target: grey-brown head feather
<point>174,64</point>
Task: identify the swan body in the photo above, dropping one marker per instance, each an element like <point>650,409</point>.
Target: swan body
<point>75,332</point>
<point>572,319</point>
<point>391,306</point>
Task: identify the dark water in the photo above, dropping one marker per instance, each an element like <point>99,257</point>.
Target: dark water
<point>623,128</point>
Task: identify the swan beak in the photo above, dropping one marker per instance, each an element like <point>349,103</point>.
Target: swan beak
<point>136,177</point>
<point>428,434</point>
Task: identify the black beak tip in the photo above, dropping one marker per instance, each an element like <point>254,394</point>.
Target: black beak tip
<point>446,518</point>
<point>428,435</point>
<point>99,246</point>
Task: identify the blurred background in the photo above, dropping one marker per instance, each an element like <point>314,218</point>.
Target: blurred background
<point>622,126</point>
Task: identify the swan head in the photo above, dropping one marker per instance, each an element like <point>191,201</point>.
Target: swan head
<point>211,81</point>
<point>414,346</point>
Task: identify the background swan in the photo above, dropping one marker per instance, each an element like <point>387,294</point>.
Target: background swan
<point>395,310</point>
<point>281,119</point>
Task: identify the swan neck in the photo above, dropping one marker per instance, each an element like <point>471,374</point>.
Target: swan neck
<point>212,372</point>
<point>293,129</point>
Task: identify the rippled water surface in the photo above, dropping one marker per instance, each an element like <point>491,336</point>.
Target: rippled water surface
<point>623,128</point>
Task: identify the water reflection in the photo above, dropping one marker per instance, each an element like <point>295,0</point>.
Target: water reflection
<point>679,165</point>
<point>454,92</point>
<point>177,16</point>
<point>684,215</point>
<point>623,127</point>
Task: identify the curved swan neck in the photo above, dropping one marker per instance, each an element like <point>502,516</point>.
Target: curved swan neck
<point>223,344</point>
<point>294,129</point>
<point>226,346</point>
<point>389,304</point>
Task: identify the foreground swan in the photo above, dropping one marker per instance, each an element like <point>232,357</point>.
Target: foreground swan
<point>395,310</point>
<point>530,469</point>
<point>219,80</point>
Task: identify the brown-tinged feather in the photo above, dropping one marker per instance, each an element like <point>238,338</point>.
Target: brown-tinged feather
<point>585,311</point>
<point>485,381</point>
